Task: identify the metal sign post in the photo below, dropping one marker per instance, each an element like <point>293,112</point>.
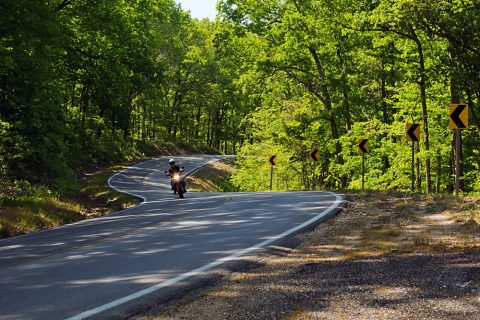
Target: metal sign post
<point>363,171</point>
<point>458,120</point>
<point>271,178</point>
<point>458,150</point>
<point>413,134</point>
<point>272,162</point>
<point>413,166</point>
<point>363,147</point>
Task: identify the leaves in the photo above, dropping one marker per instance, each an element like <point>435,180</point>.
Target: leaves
<point>362,70</point>
<point>84,83</point>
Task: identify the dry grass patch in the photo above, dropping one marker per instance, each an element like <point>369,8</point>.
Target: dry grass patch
<point>214,177</point>
<point>33,208</point>
<point>403,223</point>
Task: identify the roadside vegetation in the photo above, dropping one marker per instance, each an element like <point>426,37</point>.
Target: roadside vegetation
<point>26,208</point>
<point>214,177</point>
<point>379,223</point>
<point>86,84</point>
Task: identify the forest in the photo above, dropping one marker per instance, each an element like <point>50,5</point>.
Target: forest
<point>85,83</point>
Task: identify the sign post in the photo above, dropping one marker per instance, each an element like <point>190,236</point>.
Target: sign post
<point>458,121</point>
<point>363,171</point>
<point>272,162</point>
<point>413,134</point>
<point>363,147</point>
<point>314,156</point>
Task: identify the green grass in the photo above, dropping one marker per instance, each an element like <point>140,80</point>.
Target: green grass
<point>25,208</point>
<point>214,177</point>
<point>96,195</point>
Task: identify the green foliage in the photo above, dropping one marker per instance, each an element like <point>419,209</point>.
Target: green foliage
<point>91,83</point>
<point>334,72</point>
<point>87,83</point>
<point>26,208</point>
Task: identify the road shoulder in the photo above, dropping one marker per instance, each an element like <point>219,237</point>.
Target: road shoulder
<point>387,256</point>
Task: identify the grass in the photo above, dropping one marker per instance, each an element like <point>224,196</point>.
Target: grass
<point>97,198</point>
<point>25,208</point>
<point>28,209</point>
<point>410,223</point>
<point>214,177</point>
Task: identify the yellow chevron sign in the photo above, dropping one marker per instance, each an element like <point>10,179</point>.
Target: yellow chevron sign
<point>413,132</point>
<point>272,160</point>
<point>363,146</point>
<point>458,116</point>
<point>314,154</point>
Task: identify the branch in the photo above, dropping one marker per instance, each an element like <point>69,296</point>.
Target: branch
<point>452,38</point>
<point>308,85</point>
<point>382,28</point>
<point>79,51</point>
<point>63,4</point>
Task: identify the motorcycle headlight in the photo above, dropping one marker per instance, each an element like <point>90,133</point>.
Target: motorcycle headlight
<point>176,176</point>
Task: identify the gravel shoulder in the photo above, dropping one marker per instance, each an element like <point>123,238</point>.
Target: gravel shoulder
<point>387,256</point>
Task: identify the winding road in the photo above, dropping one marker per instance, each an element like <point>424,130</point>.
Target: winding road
<point>107,267</point>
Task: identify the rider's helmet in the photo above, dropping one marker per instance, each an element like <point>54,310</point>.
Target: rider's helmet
<point>171,161</point>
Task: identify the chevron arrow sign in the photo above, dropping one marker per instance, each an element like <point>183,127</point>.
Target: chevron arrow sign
<point>458,116</point>
<point>363,146</point>
<point>272,160</point>
<point>413,132</point>
<point>314,154</point>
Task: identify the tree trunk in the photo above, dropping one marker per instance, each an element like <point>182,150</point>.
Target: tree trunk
<point>386,162</point>
<point>114,121</point>
<point>419,176</point>
<point>327,102</point>
<point>439,171</point>
<point>197,127</point>
<point>175,128</point>
<point>144,123</point>
<point>345,90</point>
<point>423,96</point>
<point>84,107</point>
<point>455,98</point>
<point>451,167</point>
<point>471,107</point>
<point>384,94</point>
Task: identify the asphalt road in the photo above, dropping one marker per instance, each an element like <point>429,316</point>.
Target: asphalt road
<point>106,267</point>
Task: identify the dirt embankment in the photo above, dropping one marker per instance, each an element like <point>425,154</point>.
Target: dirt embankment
<point>387,256</point>
<point>214,177</point>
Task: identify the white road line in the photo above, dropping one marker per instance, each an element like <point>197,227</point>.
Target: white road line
<point>145,200</point>
<point>28,235</point>
<point>122,171</point>
<point>211,265</point>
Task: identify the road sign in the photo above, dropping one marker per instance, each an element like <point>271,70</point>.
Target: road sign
<point>363,146</point>
<point>413,132</point>
<point>272,160</point>
<point>314,154</point>
<point>458,116</point>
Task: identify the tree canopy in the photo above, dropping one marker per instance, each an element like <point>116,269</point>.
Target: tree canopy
<point>92,82</point>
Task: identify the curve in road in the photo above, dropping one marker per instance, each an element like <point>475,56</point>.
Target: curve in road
<point>93,268</point>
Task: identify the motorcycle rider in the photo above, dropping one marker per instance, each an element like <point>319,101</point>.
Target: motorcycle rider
<point>174,169</point>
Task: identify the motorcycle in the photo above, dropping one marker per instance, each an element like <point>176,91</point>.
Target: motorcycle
<point>177,182</point>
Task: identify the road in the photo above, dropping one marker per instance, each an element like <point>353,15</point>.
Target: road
<point>106,267</point>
